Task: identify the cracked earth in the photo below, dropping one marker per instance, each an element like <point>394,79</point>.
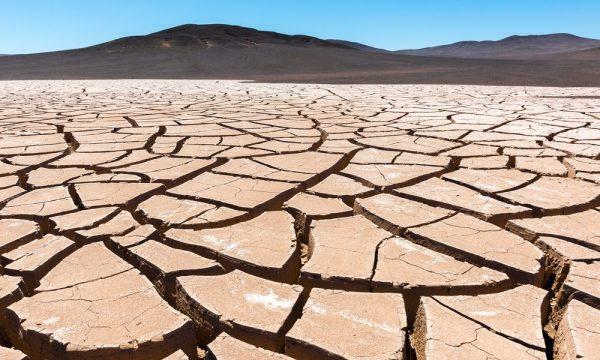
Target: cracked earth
<point>226,220</point>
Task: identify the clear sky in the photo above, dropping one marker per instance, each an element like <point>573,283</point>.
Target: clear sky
<point>43,25</point>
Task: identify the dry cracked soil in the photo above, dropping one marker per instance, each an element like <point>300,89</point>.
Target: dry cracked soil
<point>229,220</point>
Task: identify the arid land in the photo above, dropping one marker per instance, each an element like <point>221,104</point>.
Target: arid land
<point>218,51</point>
<point>184,219</point>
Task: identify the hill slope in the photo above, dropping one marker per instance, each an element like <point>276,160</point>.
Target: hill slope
<point>213,35</point>
<point>588,54</point>
<point>514,47</point>
<point>356,45</point>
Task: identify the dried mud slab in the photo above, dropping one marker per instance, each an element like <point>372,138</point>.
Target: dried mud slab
<point>309,162</point>
<point>265,246</point>
<point>491,181</point>
<point>543,166</point>
<point>34,259</point>
<point>255,169</point>
<point>582,228</point>
<point>46,177</point>
<point>226,347</point>
<point>83,219</point>
<point>578,334</point>
<point>249,308</point>
<point>485,162</point>
<point>583,283</point>
<point>132,238</point>
<point>162,263</point>
<point>170,211</point>
<point>353,242</point>
<point>110,194</point>
<point>16,232</point>
<point>165,169</point>
<point>238,192</point>
<point>338,186</point>
<point>397,214</point>
<point>94,305</point>
<point>386,176</point>
<point>120,224</point>
<point>10,290</point>
<point>446,194</point>
<point>40,202</point>
<point>12,354</point>
<point>408,143</point>
<point>410,268</point>
<point>477,241</point>
<point>348,325</point>
<point>566,249</point>
<point>317,207</point>
<point>515,314</point>
<point>442,333</point>
<point>554,194</point>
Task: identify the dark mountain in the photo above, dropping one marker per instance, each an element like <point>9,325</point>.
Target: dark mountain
<point>210,36</point>
<point>356,45</point>
<point>233,52</point>
<point>512,47</point>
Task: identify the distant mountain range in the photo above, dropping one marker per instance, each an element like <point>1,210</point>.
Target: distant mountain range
<point>512,47</point>
<point>233,52</point>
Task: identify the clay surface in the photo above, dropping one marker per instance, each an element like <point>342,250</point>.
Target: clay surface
<point>231,220</point>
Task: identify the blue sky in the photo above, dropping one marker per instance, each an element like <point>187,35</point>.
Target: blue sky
<point>44,25</point>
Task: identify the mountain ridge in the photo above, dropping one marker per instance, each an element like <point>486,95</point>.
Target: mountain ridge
<point>218,51</point>
<point>212,35</point>
<point>514,46</point>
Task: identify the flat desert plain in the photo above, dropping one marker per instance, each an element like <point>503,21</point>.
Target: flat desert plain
<point>230,220</point>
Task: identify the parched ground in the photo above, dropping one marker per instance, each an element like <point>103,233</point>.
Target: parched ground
<point>185,219</point>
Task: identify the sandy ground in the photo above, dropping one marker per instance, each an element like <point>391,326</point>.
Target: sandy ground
<point>269,63</point>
